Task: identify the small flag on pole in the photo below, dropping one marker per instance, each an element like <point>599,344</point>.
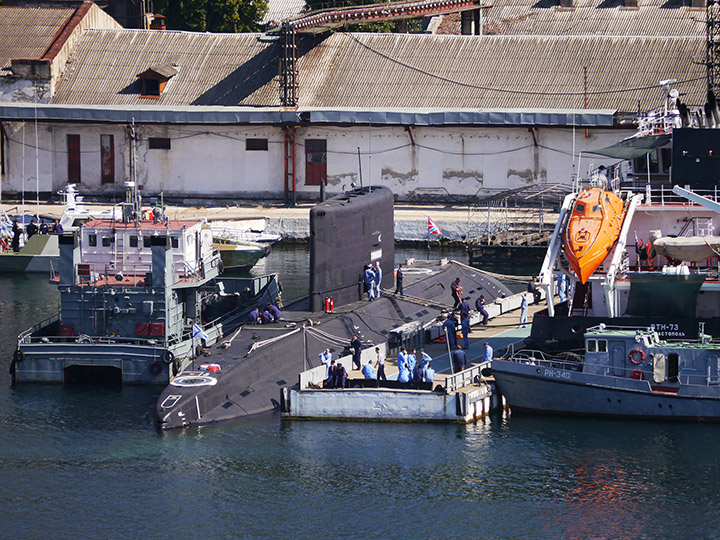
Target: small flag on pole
<point>432,228</point>
<point>199,332</point>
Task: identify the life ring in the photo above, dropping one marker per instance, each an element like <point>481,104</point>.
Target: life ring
<point>168,357</point>
<point>633,356</point>
<point>18,356</point>
<point>155,368</point>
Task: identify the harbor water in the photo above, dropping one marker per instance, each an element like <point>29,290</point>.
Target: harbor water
<point>80,462</point>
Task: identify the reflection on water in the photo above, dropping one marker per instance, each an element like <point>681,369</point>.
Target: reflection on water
<point>86,463</point>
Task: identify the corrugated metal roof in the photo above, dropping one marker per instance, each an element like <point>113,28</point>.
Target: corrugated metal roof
<point>214,69</point>
<point>588,17</point>
<point>279,10</point>
<point>28,32</point>
<point>388,70</point>
<point>400,70</point>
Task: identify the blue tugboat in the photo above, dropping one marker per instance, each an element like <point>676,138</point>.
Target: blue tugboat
<point>621,372</point>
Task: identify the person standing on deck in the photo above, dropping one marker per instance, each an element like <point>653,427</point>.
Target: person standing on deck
<point>402,358</point>
<point>16,237</point>
<point>562,287</point>
<point>464,308</point>
<point>449,328</point>
<point>326,358</point>
<point>369,278</point>
<point>378,278</point>
<point>456,292</point>
<point>465,325</point>
<point>356,347</point>
<point>523,310</point>
<point>399,280</point>
<point>459,359</point>
<point>380,364</point>
<point>488,356</point>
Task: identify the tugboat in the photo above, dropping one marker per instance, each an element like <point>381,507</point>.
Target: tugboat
<point>139,299</point>
<point>622,372</point>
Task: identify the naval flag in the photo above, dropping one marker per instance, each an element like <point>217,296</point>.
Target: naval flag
<point>432,228</point>
<point>199,332</point>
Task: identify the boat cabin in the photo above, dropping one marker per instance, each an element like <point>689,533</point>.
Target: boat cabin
<point>640,354</point>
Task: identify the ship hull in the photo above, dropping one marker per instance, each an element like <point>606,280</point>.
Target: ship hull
<point>537,389</point>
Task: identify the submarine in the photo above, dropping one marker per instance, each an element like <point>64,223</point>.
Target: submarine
<point>245,371</point>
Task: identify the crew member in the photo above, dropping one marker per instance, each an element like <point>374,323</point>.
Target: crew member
<point>399,280</point>
<point>378,278</point>
<point>480,308</point>
<point>488,352</point>
<point>356,347</point>
<point>459,359</point>
<point>380,358</point>
<point>429,373</point>
<point>456,291</point>
<point>368,371</point>
<point>326,358</point>
<point>369,279</point>
<point>449,328</point>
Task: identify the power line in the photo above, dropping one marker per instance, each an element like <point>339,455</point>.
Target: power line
<point>505,90</point>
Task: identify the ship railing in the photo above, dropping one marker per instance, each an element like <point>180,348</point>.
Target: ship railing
<point>158,342</point>
<point>26,335</point>
<point>664,196</point>
<point>466,377</point>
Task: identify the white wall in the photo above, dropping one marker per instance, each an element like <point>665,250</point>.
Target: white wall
<point>212,161</point>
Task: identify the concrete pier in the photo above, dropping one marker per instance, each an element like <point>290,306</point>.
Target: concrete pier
<point>462,397</point>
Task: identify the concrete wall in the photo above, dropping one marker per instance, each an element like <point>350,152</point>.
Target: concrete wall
<point>457,163</point>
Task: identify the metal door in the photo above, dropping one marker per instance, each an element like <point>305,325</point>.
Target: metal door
<point>618,358</point>
<point>107,159</point>
<point>315,162</point>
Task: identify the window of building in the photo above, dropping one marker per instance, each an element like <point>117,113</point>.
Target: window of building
<point>92,240</point>
<point>159,143</point>
<point>154,80</point>
<point>73,155</point>
<point>256,144</point>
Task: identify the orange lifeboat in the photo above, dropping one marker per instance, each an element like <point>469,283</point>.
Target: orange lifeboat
<point>592,231</point>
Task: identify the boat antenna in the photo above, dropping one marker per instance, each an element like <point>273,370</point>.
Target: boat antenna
<point>360,167</point>
<point>37,161</point>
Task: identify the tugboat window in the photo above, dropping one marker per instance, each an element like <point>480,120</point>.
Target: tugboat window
<point>174,241</point>
<point>146,241</point>
<point>92,240</point>
<point>133,241</point>
<point>602,345</point>
<point>591,345</point>
<point>106,241</point>
<point>580,208</point>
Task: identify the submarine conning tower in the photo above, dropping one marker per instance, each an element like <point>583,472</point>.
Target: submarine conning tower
<point>348,232</point>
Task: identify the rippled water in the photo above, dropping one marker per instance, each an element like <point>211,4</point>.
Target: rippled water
<point>86,463</point>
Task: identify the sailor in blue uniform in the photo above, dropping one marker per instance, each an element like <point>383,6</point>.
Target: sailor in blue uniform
<point>404,375</point>
<point>368,371</point>
<point>480,307</point>
<point>429,373</point>
<point>562,287</point>
<point>399,280</point>
<point>449,328</point>
<point>401,358</point>
<point>465,325</point>
<point>369,278</point>
<point>488,352</point>
<point>378,278</point>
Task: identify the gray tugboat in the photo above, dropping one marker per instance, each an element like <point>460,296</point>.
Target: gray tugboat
<point>621,372</point>
<point>139,299</point>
